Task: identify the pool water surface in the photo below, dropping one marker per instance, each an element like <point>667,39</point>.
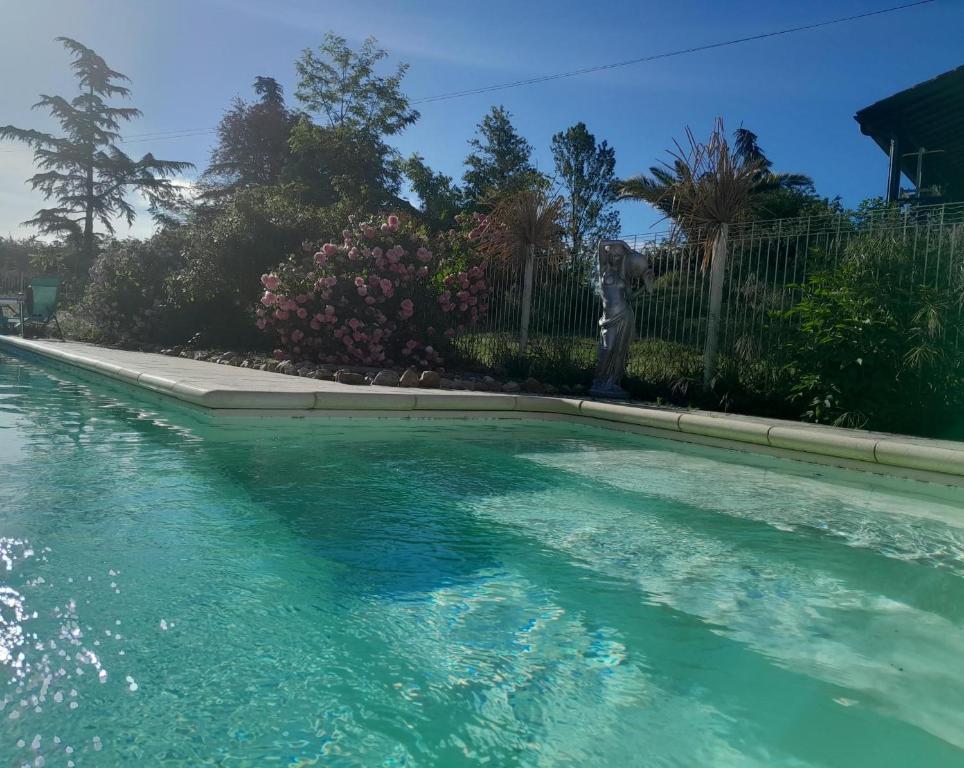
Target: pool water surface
<point>416,593</point>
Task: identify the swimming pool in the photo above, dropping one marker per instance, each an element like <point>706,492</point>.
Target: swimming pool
<point>366,592</point>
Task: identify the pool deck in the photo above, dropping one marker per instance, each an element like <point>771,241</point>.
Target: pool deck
<point>227,391</point>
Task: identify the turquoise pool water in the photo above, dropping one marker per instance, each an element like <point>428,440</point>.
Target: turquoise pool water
<point>445,594</point>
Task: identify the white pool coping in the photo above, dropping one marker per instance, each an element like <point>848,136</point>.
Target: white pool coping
<point>228,391</point>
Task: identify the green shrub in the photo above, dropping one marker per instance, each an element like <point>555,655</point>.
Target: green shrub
<point>127,297</point>
<point>874,341</point>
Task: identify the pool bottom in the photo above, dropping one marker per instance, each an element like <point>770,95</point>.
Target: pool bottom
<point>446,594</point>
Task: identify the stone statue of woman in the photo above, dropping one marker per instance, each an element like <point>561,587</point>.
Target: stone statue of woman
<point>618,265</point>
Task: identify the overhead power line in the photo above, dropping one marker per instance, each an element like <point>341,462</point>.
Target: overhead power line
<point>665,54</point>
<point>192,132</point>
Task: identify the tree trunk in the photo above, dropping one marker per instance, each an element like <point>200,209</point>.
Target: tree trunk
<point>526,299</point>
<point>87,248</point>
<point>86,259</point>
<point>717,275</point>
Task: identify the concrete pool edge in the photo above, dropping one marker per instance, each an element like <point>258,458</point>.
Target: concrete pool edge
<point>236,392</point>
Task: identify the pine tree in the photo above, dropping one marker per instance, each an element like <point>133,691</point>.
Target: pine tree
<point>586,172</point>
<point>83,170</point>
<point>253,138</point>
<point>501,160</point>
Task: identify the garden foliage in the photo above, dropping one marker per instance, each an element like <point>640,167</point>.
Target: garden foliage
<point>379,296</point>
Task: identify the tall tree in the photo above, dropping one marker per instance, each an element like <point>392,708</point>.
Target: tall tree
<point>252,145</point>
<point>342,85</point>
<point>586,173</point>
<point>345,157</point>
<point>83,170</point>
<point>500,160</point>
<point>441,198</point>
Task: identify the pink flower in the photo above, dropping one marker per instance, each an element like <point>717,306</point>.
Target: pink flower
<point>302,313</point>
<point>407,305</point>
<point>359,281</point>
<point>330,249</point>
<point>362,290</point>
<point>269,299</point>
<point>301,298</point>
<point>423,254</point>
<point>270,282</point>
<point>353,253</point>
<point>393,222</point>
<point>320,258</point>
<point>297,336</point>
<point>279,354</point>
<point>261,323</point>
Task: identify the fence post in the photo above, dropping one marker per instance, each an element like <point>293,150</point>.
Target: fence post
<point>717,274</point>
<point>526,299</point>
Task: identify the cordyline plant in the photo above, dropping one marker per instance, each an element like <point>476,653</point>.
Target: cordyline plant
<point>521,226</point>
<point>379,297</point>
<point>703,188</point>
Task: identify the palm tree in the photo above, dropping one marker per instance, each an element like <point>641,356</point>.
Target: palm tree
<point>706,188</point>
<point>704,185</point>
<point>520,225</point>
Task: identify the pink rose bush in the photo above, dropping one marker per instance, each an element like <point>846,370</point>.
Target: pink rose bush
<point>381,296</point>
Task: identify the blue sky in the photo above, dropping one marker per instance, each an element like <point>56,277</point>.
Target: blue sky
<point>188,58</point>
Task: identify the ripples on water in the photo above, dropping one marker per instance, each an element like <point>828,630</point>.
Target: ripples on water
<point>401,594</point>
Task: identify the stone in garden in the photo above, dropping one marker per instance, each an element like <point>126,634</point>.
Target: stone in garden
<point>551,390</point>
<point>385,378</point>
<point>511,386</point>
<point>271,366</point>
<point>458,384</point>
<point>429,380</point>
<point>409,378</point>
<point>533,386</point>
<point>200,355</point>
<point>287,367</point>
<point>349,377</point>
<point>447,384</point>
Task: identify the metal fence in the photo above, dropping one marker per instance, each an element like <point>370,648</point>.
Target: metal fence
<point>766,263</point>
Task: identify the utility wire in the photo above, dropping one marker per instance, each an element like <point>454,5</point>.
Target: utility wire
<point>665,55</point>
<point>192,132</point>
